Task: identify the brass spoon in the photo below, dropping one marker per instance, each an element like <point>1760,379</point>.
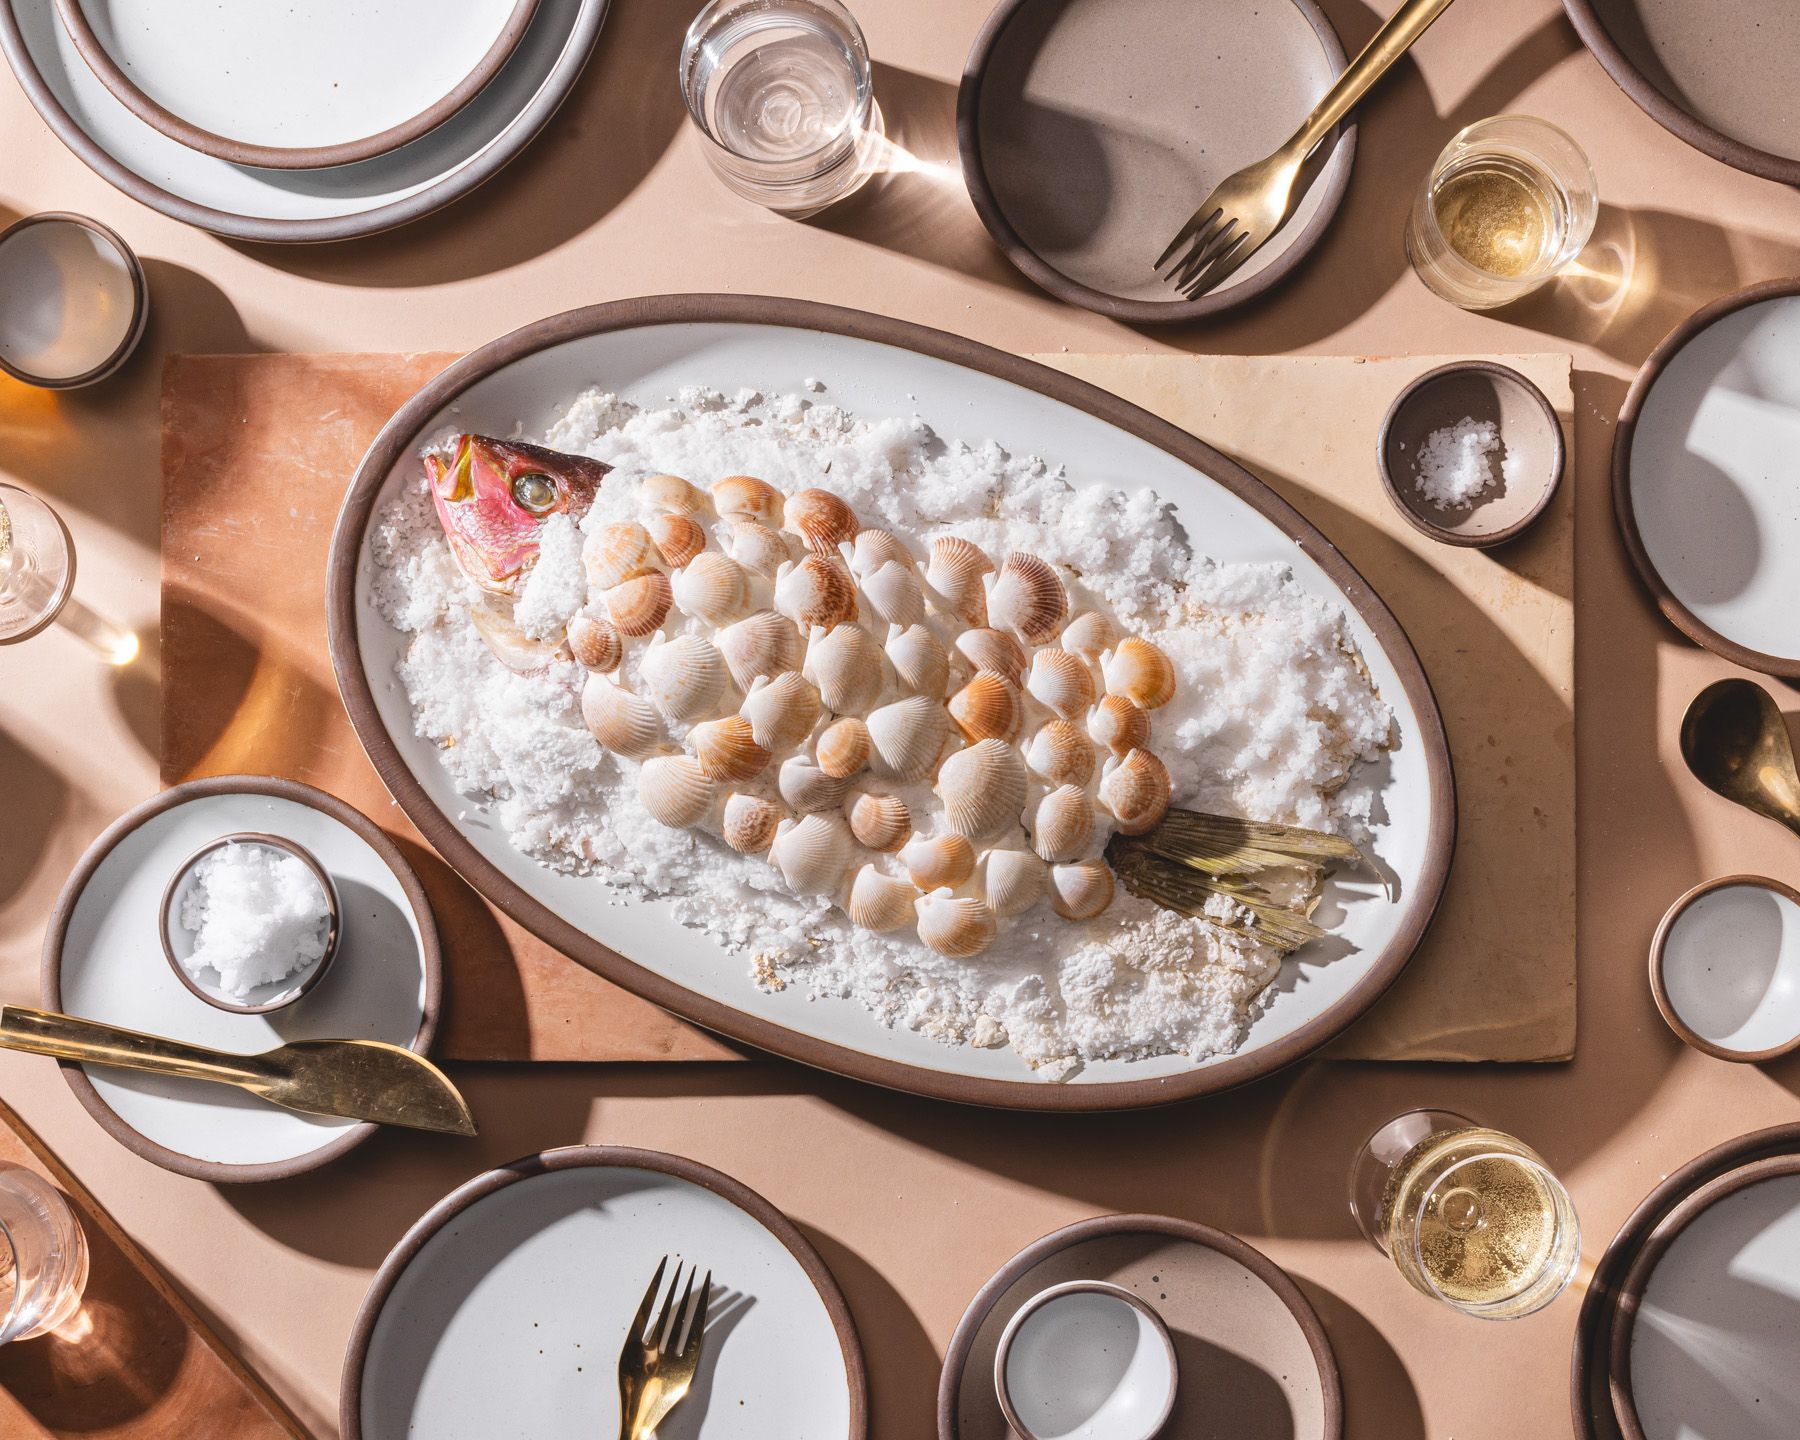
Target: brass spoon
<point>1736,743</point>
<point>355,1079</point>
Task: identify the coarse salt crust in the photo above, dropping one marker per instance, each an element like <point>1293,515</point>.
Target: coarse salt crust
<point>257,915</point>
<point>1272,717</point>
<point>1457,463</point>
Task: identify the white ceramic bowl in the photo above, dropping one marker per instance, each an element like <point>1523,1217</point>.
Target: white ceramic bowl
<point>1725,968</point>
<point>1086,1360</point>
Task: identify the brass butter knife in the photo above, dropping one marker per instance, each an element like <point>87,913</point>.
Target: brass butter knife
<point>354,1079</point>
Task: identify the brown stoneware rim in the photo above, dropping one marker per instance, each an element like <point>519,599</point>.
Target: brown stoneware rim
<point>334,909</point>
<point>1655,1247</point>
<point>400,434</point>
<point>1654,102</point>
<point>220,1172</point>
<point>1785,666</point>
<point>126,91</point>
<point>962,1342</point>
<point>580,1157</point>
<point>140,291</point>
<point>1659,989</point>
<point>1332,185</point>
<point>1589,1368</point>
<point>1443,534</point>
<point>467,177</point>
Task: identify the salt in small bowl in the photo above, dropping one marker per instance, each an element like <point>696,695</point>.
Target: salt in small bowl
<point>1725,968</point>
<point>1531,441</point>
<point>1085,1360</point>
<point>178,941</point>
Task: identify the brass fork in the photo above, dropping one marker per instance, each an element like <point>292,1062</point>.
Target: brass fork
<point>657,1365</point>
<point>1240,215</point>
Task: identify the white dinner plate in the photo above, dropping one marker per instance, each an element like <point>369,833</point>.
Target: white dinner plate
<point>294,206</point>
<point>503,1310</point>
<point>647,350</point>
<point>103,961</point>
<point>1704,480</point>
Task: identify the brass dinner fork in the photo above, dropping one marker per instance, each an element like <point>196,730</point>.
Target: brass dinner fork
<point>1243,211</point>
<point>657,1364</point>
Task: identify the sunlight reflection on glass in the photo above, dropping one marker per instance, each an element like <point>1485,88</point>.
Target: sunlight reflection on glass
<point>112,643</point>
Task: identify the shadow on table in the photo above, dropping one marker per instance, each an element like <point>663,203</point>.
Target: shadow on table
<point>37,803</point>
<point>1379,1396</point>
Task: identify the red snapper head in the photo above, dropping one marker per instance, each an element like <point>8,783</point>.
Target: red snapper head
<point>493,497</point>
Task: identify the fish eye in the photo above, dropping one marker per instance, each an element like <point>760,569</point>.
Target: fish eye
<point>535,492</point>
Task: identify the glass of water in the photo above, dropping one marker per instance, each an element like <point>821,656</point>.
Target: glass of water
<point>37,573</point>
<point>783,94</point>
<point>43,1256</point>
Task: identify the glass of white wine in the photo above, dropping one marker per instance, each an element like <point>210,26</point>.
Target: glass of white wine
<point>43,1256</point>
<point>37,575</point>
<point>1469,1216</point>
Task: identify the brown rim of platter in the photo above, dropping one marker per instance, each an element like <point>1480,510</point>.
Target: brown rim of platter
<point>1659,990</point>
<point>140,300</point>
<point>1656,1245</point>
<point>1655,103</point>
<point>1332,188</point>
<point>1589,1370</point>
<point>400,433</point>
<point>574,1157</point>
<point>126,91</point>
<point>220,1172</point>
<point>956,1358</point>
<point>1678,615</point>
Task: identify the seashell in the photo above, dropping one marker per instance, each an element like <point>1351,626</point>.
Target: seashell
<point>1118,724</point>
<point>671,495</point>
<point>1061,754</point>
<point>682,677</point>
<point>781,709</point>
<point>983,790</point>
<point>1062,826</point>
<point>808,788</point>
<point>879,902</point>
<point>819,518</point>
<point>1082,891</point>
<point>874,548</point>
<point>815,591</point>
<point>987,708</point>
<point>894,593</point>
<point>1061,681</point>
<point>918,658</point>
<point>675,790</point>
<point>595,643</point>
<point>520,653</point>
<point>955,925</point>
<point>953,575</point>
<point>906,736</point>
<point>1089,635</point>
<point>845,663</point>
<point>614,553</point>
<point>762,643</point>
<point>844,748</point>
<point>1011,880</point>
<point>880,822</point>
<point>749,823</point>
<point>713,588</point>
<point>744,497</point>
<point>726,749</point>
<point>678,538</point>
<point>989,649</point>
<point>756,547</point>
<point>1135,791</point>
<point>624,723</point>
<point>812,853</point>
<point>639,605</point>
<point>938,861</point>
<point>1028,597</point>
<point>1139,671</point>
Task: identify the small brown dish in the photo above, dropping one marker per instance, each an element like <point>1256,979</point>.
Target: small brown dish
<point>1525,474</point>
<point>1725,968</point>
<point>177,941</point>
<point>58,252</point>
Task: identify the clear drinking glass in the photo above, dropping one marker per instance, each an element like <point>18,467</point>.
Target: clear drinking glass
<point>43,1256</point>
<point>1469,1216</point>
<point>1509,202</point>
<point>37,573</point>
<point>783,94</point>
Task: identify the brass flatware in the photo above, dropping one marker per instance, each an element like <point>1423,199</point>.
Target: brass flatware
<point>1243,211</point>
<point>1734,740</point>
<point>355,1079</point>
<point>660,1356</point>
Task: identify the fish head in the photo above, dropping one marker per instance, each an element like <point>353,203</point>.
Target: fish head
<point>493,498</point>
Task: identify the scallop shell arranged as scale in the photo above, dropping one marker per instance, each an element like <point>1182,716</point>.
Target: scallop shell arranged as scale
<point>1061,681</point>
<point>958,926</point>
<point>845,663</point>
<point>749,822</point>
<point>782,710</point>
<point>843,747</point>
<point>1081,891</point>
<point>906,736</point>
<point>954,577</point>
<point>1061,753</point>
<point>879,822</point>
<point>808,788</point>
<point>616,552</point>
<point>671,495</point>
<point>1011,880</point>
<point>638,606</point>
<point>1118,724</point>
<point>758,548</point>
<point>727,750</point>
<point>874,548</point>
<point>675,790</point>
<point>879,902</point>
<point>712,587</point>
<point>1089,635</point>
<point>815,590</point>
<point>812,853</point>
<point>1135,790</point>
<point>1028,597</point>
<point>894,593</point>
<point>678,538</point>
<point>1062,825</point>
<point>938,860</point>
<point>595,643</point>
<point>744,497</point>
<point>823,520</point>
<point>682,677</point>
<point>919,660</point>
<point>762,643</point>
<point>987,708</point>
<point>1139,671</point>
<point>988,649</point>
<point>624,723</point>
<point>983,790</point>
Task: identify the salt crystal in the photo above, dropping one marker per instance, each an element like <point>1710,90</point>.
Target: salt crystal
<point>1457,463</point>
<point>257,915</point>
